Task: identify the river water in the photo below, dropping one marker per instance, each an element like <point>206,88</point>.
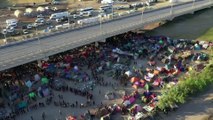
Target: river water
<point>189,26</point>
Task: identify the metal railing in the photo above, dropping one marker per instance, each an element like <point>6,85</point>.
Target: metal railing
<point>33,37</point>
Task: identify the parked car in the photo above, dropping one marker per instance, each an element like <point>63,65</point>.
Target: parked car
<point>40,16</point>
<point>10,30</point>
<point>29,26</point>
<point>12,25</point>
<point>15,33</point>
<point>4,31</point>
<point>48,22</point>
<point>25,31</point>
<point>75,16</point>
<point>64,19</point>
<point>40,20</point>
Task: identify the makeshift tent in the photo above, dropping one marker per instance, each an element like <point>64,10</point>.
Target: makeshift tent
<point>28,84</point>
<point>22,105</point>
<point>75,68</point>
<point>146,86</point>
<point>46,92</point>
<point>142,81</point>
<point>51,68</point>
<point>147,78</point>
<point>139,116</point>
<point>126,103</point>
<point>40,9</point>
<point>105,117</point>
<point>134,79</point>
<point>44,80</point>
<point>135,86</point>
<point>32,95</point>
<point>148,108</point>
<point>101,112</point>
<point>109,95</point>
<point>128,73</point>
<point>29,10</point>
<point>137,83</point>
<point>18,13</point>
<point>136,107</point>
<point>161,42</point>
<point>132,100</point>
<point>37,77</point>
<point>71,118</point>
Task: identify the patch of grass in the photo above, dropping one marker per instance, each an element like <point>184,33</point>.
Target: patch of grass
<point>4,3</point>
<point>208,36</point>
<point>26,1</point>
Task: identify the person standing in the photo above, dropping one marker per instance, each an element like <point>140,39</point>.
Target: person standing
<point>60,112</point>
<point>31,117</point>
<point>43,116</point>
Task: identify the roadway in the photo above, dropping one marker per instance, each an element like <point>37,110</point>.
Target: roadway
<point>25,52</point>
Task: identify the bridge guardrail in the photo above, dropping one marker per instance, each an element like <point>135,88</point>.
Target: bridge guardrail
<point>79,27</point>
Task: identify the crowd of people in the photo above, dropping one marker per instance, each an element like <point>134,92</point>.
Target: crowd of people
<point>88,64</point>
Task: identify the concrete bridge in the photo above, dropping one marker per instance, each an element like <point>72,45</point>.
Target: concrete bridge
<point>35,49</point>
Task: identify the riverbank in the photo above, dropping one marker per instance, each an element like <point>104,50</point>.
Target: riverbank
<point>199,107</point>
<point>208,36</point>
<point>190,26</point>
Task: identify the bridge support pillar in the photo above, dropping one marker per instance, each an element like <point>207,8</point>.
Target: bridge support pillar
<point>104,40</point>
<point>170,19</point>
<point>39,63</point>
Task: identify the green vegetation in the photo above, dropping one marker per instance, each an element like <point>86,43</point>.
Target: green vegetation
<point>191,84</point>
<point>208,36</point>
<point>4,3</point>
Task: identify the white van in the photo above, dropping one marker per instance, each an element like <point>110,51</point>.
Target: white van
<point>105,7</point>
<point>86,11</point>
<point>12,22</point>
<point>14,25</point>
<point>59,15</point>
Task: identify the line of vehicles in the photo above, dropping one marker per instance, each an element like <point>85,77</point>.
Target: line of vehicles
<point>61,18</point>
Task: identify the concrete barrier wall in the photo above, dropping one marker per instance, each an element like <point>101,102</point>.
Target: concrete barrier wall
<point>27,1</point>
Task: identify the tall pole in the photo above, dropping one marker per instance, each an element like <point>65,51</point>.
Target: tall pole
<point>112,11</point>
<point>142,14</point>
<point>171,10</point>
<point>100,24</point>
<point>68,16</point>
<point>5,38</point>
<point>193,4</point>
<point>39,42</point>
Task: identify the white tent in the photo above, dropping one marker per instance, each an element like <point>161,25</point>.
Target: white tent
<point>37,77</point>
<point>18,13</point>
<point>128,73</point>
<point>29,84</point>
<point>29,10</point>
<point>40,9</point>
<point>126,103</point>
